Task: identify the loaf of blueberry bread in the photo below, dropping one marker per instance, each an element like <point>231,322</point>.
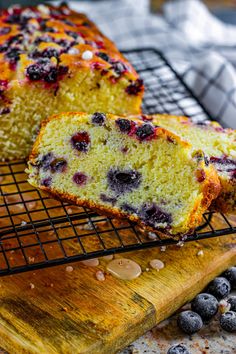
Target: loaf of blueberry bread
<point>124,168</point>
<point>53,59</point>
<point>219,147</point>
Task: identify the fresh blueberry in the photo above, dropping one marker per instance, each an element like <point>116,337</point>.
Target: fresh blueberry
<point>219,287</point>
<point>123,181</point>
<point>98,118</point>
<point>228,321</point>
<point>230,274</point>
<point>80,178</point>
<point>124,125</point>
<point>178,349</point>
<point>145,131</point>
<point>152,215</point>
<point>232,301</point>
<point>190,322</point>
<point>135,87</point>
<point>108,199</point>
<point>81,141</point>
<point>46,182</point>
<point>205,305</point>
<point>58,165</point>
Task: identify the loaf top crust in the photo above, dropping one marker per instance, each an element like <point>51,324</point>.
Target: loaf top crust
<point>45,43</point>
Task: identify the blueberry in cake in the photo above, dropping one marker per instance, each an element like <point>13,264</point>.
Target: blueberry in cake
<point>125,168</point>
<point>53,60</point>
<point>219,147</point>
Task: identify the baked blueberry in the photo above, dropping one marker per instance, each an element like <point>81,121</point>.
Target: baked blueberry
<point>135,87</point>
<point>118,67</point>
<point>124,125</point>
<point>35,72</point>
<point>128,208</point>
<point>5,30</point>
<point>230,275</point>
<point>50,52</point>
<point>190,322</point>
<point>51,75</point>
<point>105,198</point>
<point>81,141</point>
<point>228,321</point>
<point>219,287</point>
<point>145,131</point>
<point>80,178</point>
<point>206,305</point>
<point>103,56</point>
<point>123,181</point>
<point>13,55</point>
<point>45,161</point>
<point>98,118</point>
<point>58,165</point>
<point>232,301</point>
<point>178,349</point>
<point>152,215</point>
<point>46,182</point>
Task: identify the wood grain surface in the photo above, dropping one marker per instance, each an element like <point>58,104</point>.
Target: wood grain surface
<point>55,311</point>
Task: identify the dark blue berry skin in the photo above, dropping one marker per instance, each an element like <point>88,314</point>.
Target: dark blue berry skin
<point>58,165</point>
<point>123,181</point>
<point>45,161</point>
<point>190,322</point>
<point>145,131</point>
<point>81,141</point>
<point>230,275</point>
<point>98,118</point>
<point>151,214</point>
<point>228,321</point>
<point>124,125</point>
<point>232,301</point>
<point>206,305</point>
<point>178,349</point>
<point>219,287</point>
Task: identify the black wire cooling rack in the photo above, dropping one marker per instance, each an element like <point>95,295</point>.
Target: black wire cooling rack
<point>38,232</point>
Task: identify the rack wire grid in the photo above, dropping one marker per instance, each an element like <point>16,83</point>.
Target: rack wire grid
<point>38,232</point>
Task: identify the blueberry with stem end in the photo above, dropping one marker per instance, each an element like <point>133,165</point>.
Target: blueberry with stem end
<point>190,322</point>
<point>205,305</point>
<point>219,287</point>
<point>228,321</point>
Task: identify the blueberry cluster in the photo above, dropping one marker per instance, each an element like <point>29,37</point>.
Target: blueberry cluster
<point>205,306</point>
<point>44,70</point>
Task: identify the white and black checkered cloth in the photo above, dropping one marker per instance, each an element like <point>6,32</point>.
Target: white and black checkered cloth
<point>199,46</point>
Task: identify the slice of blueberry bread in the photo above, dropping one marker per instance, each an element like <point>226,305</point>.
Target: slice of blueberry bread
<point>52,60</point>
<point>219,146</point>
<point>124,168</point>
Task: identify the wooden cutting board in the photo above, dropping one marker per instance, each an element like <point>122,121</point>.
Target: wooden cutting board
<point>73,312</point>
